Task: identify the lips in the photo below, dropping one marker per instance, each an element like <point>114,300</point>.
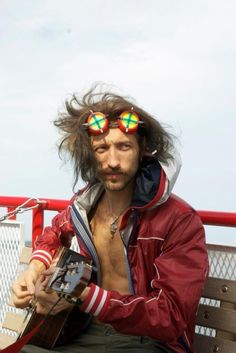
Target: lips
<point>113,175</point>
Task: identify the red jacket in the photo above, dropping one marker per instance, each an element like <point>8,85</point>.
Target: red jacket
<point>166,258</point>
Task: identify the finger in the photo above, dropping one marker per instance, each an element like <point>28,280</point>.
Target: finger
<point>45,308</point>
<point>45,282</point>
<point>30,283</point>
<point>48,272</point>
<point>41,309</point>
<point>39,287</point>
<point>46,299</point>
<point>20,291</point>
<point>22,302</point>
<point>31,277</point>
<point>41,283</point>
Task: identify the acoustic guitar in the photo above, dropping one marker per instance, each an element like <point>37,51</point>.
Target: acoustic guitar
<point>71,275</point>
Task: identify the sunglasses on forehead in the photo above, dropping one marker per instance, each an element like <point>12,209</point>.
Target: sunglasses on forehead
<point>98,123</point>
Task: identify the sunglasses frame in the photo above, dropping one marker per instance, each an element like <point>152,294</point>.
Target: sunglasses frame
<point>98,123</point>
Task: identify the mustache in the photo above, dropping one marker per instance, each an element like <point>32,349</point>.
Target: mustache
<point>109,171</point>
<point>112,171</point>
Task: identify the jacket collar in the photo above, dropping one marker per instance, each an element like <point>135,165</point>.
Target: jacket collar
<point>147,182</point>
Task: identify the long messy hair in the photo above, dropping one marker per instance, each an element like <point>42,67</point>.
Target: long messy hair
<point>77,143</point>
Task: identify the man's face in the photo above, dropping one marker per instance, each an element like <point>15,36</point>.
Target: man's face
<point>117,154</point>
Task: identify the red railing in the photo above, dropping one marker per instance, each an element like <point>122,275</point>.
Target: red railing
<point>43,204</point>
<point>225,219</point>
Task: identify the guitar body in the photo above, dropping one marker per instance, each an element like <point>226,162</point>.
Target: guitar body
<point>49,331</point>
<point>72,274</point>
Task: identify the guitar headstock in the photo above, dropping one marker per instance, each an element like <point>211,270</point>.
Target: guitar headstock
<point>72,276</point>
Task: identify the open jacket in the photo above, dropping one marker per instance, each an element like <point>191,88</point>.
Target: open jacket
<point>166,258</point>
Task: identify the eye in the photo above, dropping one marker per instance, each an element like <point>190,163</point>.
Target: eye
<point>125,146</point>
<point>100,149</point>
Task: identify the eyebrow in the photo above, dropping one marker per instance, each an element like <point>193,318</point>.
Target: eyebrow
<point>104,143</point>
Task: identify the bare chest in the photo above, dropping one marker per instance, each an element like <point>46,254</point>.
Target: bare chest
<point>111,253</point>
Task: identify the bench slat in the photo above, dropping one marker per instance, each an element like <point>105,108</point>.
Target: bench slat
<point>207,344</point>
<point>6,340</point>
<point>217,318</point>
<point>13,322</point>
<point>221,289</point>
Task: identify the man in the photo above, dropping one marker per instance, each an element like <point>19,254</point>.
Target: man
<point>147,245</point>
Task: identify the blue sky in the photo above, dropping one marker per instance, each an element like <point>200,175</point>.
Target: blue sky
<point>175,58</point>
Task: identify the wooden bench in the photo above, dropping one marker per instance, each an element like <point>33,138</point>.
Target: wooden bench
<point>218,319</point>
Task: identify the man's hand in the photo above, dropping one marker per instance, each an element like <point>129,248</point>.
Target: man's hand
<point>24,287</point>
<point>45,300</point>
<point>31,287</point>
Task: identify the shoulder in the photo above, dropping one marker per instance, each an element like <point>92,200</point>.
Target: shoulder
<point>178,204</point>
<point>174,206</point>
<point>173,212</point>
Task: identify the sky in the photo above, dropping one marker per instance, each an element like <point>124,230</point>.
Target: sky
<point>175,58</point>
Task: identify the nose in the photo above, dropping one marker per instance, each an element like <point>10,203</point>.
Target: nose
<point>113,159</point>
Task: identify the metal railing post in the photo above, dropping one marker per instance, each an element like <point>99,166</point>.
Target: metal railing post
<point>12,217</point>
<point>37,223</point>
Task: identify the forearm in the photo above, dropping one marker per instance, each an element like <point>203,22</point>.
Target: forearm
<point>53,237</point>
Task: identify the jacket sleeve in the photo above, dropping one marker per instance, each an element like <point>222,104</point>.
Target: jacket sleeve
<point>58,234</point>
<point>165,311</point>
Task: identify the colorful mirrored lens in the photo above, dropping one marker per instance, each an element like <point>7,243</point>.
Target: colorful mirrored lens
<point>128,122</point>
<point>97,123</point>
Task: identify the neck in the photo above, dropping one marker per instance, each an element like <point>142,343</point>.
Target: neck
<point>118,201</point>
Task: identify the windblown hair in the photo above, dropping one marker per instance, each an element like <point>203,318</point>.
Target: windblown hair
<point>77,143</point>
